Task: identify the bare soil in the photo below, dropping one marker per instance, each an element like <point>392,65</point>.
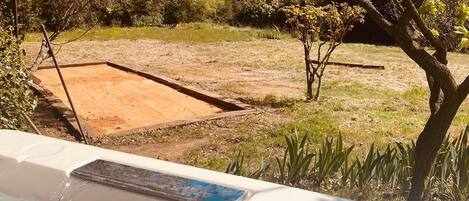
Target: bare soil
<point>112,100</point>
<point>173,151</point>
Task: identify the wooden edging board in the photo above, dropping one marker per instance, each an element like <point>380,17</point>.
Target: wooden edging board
<point>232,107</point>
<point>352,65</point>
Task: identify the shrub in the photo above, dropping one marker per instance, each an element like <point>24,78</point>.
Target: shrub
<point>16,99</point>
<point>178,11</point>
<point>260,13</point>
<point>256,12</point>
<point>129,12</point>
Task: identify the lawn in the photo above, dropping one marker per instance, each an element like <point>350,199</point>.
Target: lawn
<point>184,33</point>
<point>363,105</point>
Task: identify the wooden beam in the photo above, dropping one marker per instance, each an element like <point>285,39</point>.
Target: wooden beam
<point>352,65</point>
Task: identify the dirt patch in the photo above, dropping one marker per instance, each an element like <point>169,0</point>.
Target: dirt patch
<point>111,100</point>
<point>170,151</point>
<point>50,124</point>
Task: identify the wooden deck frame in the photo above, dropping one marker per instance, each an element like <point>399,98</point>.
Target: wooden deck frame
<point>232,107</point>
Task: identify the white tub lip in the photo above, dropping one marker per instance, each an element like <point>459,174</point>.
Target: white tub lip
<point>65,156</point>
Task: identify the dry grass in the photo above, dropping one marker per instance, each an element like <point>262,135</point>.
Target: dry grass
<point>364,105</point>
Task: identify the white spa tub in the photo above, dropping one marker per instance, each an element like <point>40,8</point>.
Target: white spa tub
<point>34,167</point>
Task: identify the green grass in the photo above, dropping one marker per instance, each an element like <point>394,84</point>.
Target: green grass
<point>381,116</point>
<point>416,95</point>
<point>350,89</point>
<point>188,33</point>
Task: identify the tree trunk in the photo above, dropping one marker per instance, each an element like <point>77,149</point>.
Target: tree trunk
<point>309,75</point>
<point>318,90</point>
<point>428,144</point>
<point>309,83</point>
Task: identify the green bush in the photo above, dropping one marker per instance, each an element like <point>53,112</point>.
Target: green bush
<point>178,11</point>
<point>16,99</point>
<point>52,13</point>
<point>129,12</point>
<point>259,13</point>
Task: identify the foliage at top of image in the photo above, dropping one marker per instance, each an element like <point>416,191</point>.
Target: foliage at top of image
<point>326,23</point>
<point>465,37</point>
<point>463,13</point>
<point>124,13</point>
<point>463,17</point>
<point>16,99</point>
<point>433,7</point>
<point>447,20</point>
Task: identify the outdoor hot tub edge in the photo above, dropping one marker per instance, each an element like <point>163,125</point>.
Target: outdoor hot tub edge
<point>34,167</point>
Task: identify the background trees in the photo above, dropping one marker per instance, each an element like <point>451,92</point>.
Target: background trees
<point>258,13</point>
<point>128,12</point>
<point>60,16</point>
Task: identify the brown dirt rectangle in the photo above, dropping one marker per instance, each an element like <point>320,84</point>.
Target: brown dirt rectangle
<point>112,100</point>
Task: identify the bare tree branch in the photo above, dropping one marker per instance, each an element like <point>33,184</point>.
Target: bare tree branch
<point>376,15</point>
<point>71,40</point>
<point>65,21</point>
<point>423,28</point>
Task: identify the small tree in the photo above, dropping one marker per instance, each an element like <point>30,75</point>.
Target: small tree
<point>404,23</point>
<point>327,25</point>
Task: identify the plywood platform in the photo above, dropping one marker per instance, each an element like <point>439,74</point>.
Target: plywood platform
<point>115,99</point>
